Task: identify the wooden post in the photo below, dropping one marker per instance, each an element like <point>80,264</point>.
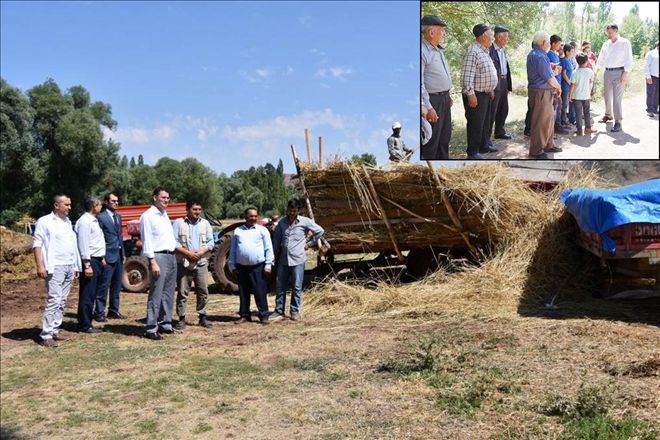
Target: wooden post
<point>452,214</point>
<point>296,161</point>
<point>309,151</point>
<point>320,151</point>
<point>382,212</point>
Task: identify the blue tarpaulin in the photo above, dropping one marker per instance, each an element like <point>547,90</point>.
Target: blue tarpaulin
<point>599,210</point>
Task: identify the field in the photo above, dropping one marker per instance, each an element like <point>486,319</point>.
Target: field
<point>491,369</point>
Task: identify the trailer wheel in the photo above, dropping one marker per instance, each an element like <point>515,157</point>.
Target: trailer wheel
<point>136,275</point>
<point>219,265</point>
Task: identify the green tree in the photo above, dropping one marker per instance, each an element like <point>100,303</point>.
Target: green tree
<point>365,158</point>
<point>132,164</point>
<point>140,160</point>
<point>633,29</point>
<point>23,166</point>
<point>597,34</point>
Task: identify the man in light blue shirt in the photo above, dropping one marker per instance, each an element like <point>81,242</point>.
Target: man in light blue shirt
<point>290,242</point>
<point>251,259</point>
<point>193,236</point>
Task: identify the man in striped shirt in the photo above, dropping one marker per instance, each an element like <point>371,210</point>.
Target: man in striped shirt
<point>478,82</point>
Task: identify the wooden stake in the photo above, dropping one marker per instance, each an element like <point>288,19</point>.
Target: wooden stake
<point>416,215</point>
<point>452,214</point>
<point>376,197</point>
<point>320,151</point>
<point>309,151</point>
<point>296,161</point>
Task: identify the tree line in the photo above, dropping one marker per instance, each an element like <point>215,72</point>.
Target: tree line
<point>52,142</point>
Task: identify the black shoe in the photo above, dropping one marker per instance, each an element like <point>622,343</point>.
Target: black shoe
<point>541,156</point>
<point>476,156</point>
<point>168,331</point>
<point>527,133</point>
<point>181,325</point>
<point>488,149</point>
<point>617,128</point>
<point>57,337</point>
<point>242,321</point>
<point>265,322</point>
<point>153,336</point>
<point>116,316</point>
<point>99,318</point>
<point>204,323</point>
<point>502,136</point>
<point>92,331</point>
<point>561,130</point>
<point>606,119</point>
<point>554,150</point>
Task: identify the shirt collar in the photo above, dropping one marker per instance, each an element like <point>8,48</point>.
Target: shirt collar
<point>187,220</point>
<point>497,47</point>
<point>430,46</point>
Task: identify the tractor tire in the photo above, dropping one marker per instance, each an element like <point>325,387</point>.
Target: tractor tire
<point>219,265</point>
<point>136,276</point>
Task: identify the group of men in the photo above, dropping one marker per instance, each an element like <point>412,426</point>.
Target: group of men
<point>94,248</point>
<point>486,82</point>
<point>178,262</point>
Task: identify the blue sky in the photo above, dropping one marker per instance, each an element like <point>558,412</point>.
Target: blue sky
<point>232,84</point>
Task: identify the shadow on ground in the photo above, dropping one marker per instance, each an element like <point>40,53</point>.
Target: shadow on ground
<point>562,283</point>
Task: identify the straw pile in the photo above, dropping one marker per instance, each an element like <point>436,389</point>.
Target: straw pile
<point>487,201</point>
<point>528,240</point>
<point>16,259</point>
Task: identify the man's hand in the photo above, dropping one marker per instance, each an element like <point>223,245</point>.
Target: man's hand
<point>42,272</point>
<point>649,81</point>
<point>570,98</point>
<point>267,272</point>
<point>123,261</point>
<point>558,89</point>
<point>193,256</point>
<point>624,78</point>
<point>89,272</point>
<point>451,102</point>
<point>103,263</point>
<point>431,115</point>
<point>492,95</point>
<point>155,269</point>
<point>472,101</point>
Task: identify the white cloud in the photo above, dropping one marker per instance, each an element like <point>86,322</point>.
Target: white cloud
<point>284,127</point>
<point>139,135</point>
<point>305,21</point>
<point>263,73</point>
<point>338,72</point>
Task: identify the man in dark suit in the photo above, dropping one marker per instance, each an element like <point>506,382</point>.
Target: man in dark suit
<point>500,108</point>
<point>110,222</point>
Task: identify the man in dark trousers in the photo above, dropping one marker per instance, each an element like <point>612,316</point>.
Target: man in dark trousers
<point>478,82</point>
<point>436,84</point>
<point>110,223</point>
<point>501,102</point>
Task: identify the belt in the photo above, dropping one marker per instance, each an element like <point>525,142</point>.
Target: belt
<point>613,68</point>
<point>97,258</point>
<point>164,252</point>
<point>440,93</point>
<point>503,76</point>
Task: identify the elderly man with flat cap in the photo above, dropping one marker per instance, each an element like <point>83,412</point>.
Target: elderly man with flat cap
<point>396,147</point>
<point>501,102</point>
<point>479,79</point>
<point>436,84</point>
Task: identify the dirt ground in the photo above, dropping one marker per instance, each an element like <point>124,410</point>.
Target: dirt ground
<point>472,371</point>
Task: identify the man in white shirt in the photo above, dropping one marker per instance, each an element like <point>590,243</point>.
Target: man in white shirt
<point>652,86</point>
<point>158,246</point>
<point>58,262</point>
<point>616,58</point>
<point>91,245</point>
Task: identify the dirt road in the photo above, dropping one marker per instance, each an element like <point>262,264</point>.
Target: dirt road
<point>638,140</point>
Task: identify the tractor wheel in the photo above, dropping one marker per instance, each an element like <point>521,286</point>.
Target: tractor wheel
<point>136,275</point>
<point>219,265</point>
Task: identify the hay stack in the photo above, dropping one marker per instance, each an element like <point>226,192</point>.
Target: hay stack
<point>488,202</point>
<point>533,251</point>
<point>16,259</point>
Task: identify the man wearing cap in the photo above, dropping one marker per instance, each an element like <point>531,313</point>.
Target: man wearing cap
<point>541,82</point>
<point>436,83</point>
<point>652,85</point>
<point>616,58</point>
<point>501,101</point>
<point>395,145</point>
<point>479,79</point>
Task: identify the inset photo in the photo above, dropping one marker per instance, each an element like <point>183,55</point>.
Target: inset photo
<point>539,80</point>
